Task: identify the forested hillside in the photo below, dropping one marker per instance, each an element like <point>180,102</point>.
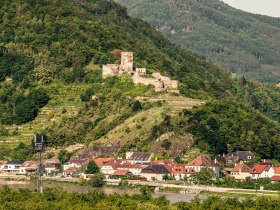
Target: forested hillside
<point>241,42</point>
<point>51,53</point>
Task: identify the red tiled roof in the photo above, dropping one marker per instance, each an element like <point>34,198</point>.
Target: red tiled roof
<point>121,173</point>
<point>180,169</point>
<point>70,170</point>
<point>275,178</point>
<point>277,170</point>
<point>101,161</point>
<point>165,162</point>
<point>3,162</point>
<point>241,166</point>
<point>122,164</point>
<point>202,160</point>
<point>258,169</point>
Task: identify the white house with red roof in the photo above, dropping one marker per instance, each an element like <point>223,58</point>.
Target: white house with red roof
<point>110,167</point>
<point>261,171</point>
<point>240,171</point>
<point>2,164</point>
<point>75,163</point>
<point>276,176</point>
<point>203,161</point>
<point>179,171</point>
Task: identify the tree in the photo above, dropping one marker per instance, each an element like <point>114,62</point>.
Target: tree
<point>40,97</point>
<point>97,180</point>
<point>205,176</point>
<point>92,168</point>
<point>64,156</point>
<point>26,111</point>
<point>136,106</point>
<point>146,190</point>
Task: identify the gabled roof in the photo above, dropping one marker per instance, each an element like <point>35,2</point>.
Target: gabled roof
<point>15,162</point>
<point>275,178</point>
<point>101,161</point>
<point>70,170</point>
<point>180,169</point>
<point>116,164</point>
<point>141,156</point>
<point>3,162</point>
<point>121,173</point>
<point>155,169</point>
<point>30,164</point>
<point>241,155</point>
<point>258,169</point>
<point>202,160</point>
<point>277,170</point>
<point>241,167</point>
<point>163,162</point>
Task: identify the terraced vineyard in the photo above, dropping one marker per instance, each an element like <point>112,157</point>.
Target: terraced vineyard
<point>175,103</point>
<point>65,102</point>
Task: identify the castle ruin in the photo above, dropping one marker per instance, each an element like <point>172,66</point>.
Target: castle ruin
<point>138,75</point>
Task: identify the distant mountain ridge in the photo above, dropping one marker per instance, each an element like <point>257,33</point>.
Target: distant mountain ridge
<point>241,42</point>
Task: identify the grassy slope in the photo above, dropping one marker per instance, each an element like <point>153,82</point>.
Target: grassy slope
<point>241,42</point>
<point>140,125</point>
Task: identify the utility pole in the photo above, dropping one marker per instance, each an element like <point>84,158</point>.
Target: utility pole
<point>39,144</point>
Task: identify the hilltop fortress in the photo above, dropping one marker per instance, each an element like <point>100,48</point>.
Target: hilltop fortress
<point>138,75</point>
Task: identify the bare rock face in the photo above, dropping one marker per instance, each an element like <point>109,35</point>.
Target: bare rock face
<point>138,75</point>
<point>105,150</point>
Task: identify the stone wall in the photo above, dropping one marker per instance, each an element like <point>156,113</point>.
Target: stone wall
<point>110,70</point>
<point>127,62</point>
<point>126,67</point>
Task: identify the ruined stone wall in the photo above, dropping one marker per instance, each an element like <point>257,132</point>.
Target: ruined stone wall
<point>141,71</point>
<point>126,62</point>
<point>158,81</point>
<point>159,86</point>
<point>110,70</point>
<point>168,83</point>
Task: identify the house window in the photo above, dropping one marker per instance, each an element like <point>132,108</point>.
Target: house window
<point>249,157</point>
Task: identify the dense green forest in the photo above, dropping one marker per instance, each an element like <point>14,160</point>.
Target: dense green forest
<point>241,42</point>
<point>55,198</point>
<point>47,46</point>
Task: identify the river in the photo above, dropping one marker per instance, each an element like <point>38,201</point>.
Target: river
<point>171,196</point>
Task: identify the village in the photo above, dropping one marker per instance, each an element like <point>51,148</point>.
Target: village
<point>143,167</point>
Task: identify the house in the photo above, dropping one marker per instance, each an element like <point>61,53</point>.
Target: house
<point>203,161</point>
<point>266,162</point>
<point>180,172</point>
<point>29,167</point>
<point>240,171</point>
<point>13,166</point>
<point>261,171</point>
<point>239,157</point>
<point>70,171</point>
<point>101,161</point>
<point>139,157</point>
<point>2,164</point>
<point>51,165</point>
<point>110,167</point>
<point>75,163</point>
<point>154,172</point>
<point>122,174</point>
<point>276,176</point>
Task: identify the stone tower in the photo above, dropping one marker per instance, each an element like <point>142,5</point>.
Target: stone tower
<point>127,62</point>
